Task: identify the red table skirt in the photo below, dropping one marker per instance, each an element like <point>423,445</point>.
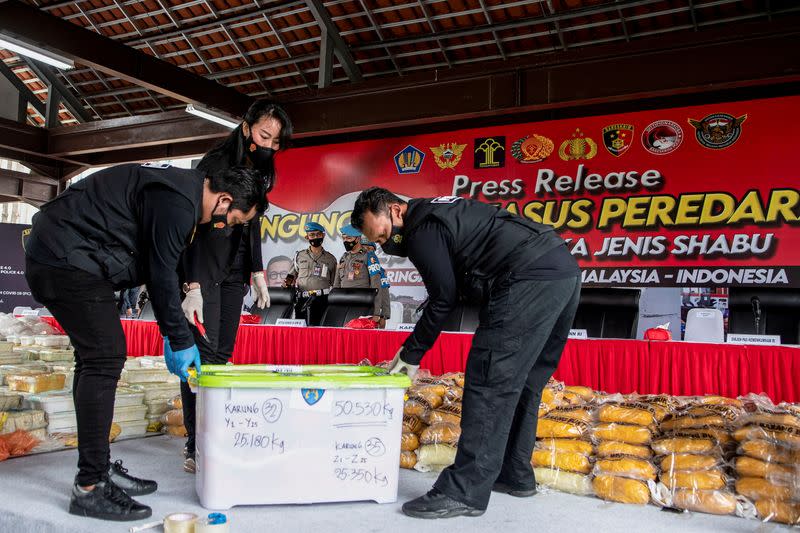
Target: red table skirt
<point>623,366</point>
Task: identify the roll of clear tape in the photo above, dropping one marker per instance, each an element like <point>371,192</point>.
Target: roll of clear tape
<point>180,523</point>
<point>215,523</point>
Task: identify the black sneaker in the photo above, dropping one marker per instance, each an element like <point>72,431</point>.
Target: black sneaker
<point>107,502</point>
<point>189,464</point>
<point>436,504</point>
<point>131,485</point>
<point>511,491</point>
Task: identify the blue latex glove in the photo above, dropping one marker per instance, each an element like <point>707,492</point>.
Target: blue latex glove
<point>179,362</point>
<point>168,356</point>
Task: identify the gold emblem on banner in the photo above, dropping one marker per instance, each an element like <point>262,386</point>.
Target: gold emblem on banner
<point>578,147</point>
<point>532,149</point>
<point>448,155</point>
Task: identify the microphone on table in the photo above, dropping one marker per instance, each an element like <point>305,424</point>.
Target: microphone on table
<point>756,303</point>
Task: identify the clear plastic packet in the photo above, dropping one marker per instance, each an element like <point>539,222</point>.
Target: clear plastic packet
<point>416,407</point>
<point>584,393</point>
<point>555,460</point>
<point>441,433</point>
<point>688,461</point>
<point>788,436</point>
<point>409,442</point>
<point>408,460</point>
<point>750,467</point>
<point>630,410</point>
<point>563,481</point>
<point>583,414</point>
<point>710,479</point>
<point>454,394</point>
<point>176,402</point>
<point>566,445</point>
<point>784,512</point>
<point>173,417</point>
<point>426,395</point>
<point>554,427</point>
<point>626,466</point>
<point>456,377</point>
<point>446,413</point>
<point>621,489</point>
<point>609,448</point>
<point>435,457</point>
<point>412,424</point>
<point>685,442</point>
<point>628,433</point>
<point>759,488</point>
<point>768,451</point>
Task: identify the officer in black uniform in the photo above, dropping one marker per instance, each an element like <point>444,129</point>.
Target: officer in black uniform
<point>531,286</point>
<point>222,261</point>
<point>119,228</point>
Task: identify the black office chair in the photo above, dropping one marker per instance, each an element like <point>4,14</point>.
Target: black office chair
<point>464,318</point>
<point>777,312</point>
<point>608,313</point>
<point>281,304</point>
<point>346,304</point>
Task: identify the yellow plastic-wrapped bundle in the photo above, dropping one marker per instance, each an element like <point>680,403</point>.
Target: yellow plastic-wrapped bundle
<point>778,511</point>
<point>564,481</point>
<point>416,407</point>
<point>704,501</point>
<point>408,459</point>
<point>621,489</point>
<point>552,427</point>
<point>566,445</point>
<point>441,433</point>
<point>749,467</point>
<point>569,461</point>
<point>628,433</point>
<point>769,451</point>
<point>688,461</point>
<point>631,467</point>
<point>412,424</point>
<point>758,488</point>
<point>638,413</point>
<point>610,448</point>
<point>712,479</point>
<point>409,442</point>
<point>584,393</point>
<point>685,443</point>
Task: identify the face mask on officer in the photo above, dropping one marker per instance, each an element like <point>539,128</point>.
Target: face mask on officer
<point>394,245</point>
<point>219,219</point>
<point>258,155</point>
<point>349,245</point>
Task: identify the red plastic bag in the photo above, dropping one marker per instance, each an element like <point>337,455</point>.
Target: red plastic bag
<point>250,319</point>
<point>19,443</point>
<point>659,333</point>
<point>362,323</point>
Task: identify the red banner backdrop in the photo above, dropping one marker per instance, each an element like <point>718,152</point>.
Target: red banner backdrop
<point>695,196</point>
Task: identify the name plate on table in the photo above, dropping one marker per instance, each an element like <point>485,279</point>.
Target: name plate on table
<point>291,322</point>
<point>578,334</point>
<point>405,327</point>
<point>742,338</point>
<point>30,312</point>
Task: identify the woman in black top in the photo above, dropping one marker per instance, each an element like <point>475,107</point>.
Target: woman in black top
<point>221,261</point>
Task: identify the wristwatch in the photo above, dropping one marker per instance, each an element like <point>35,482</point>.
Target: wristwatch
<point>189,286</point>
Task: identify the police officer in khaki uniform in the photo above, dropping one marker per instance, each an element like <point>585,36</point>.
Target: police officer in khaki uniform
<point>312,273</point>
<point>354,273</point>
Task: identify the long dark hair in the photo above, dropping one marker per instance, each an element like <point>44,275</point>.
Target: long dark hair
<point>231,152</point>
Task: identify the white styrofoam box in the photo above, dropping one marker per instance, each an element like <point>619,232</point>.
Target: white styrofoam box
<point>344,447</point>
<point>51,341</point>
<point>160,390</point>
<point>132,428</point>
<point>6,346</point>
<point>50,402</point>
<point>127,396</point>
<point>130,413</point>
<point>62,422</point>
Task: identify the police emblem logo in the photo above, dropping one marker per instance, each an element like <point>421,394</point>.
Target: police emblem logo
<point>718,131</point>
<point>532,149</point>
<point>490,152</point>
<point>618,138</point>
<point>448,155</point>
<point>312,396</point>
<point>662,137</point>
<point>397,239</point>
<point>577,147</point>
<point>409,160</point>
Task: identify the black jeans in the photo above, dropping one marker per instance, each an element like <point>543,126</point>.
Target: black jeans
<point>222,311</point>
<point>314,312</point>
<point>85,307</point>
<point>522,331</point>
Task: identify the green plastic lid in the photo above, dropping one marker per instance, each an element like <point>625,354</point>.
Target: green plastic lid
<point>299,376</point>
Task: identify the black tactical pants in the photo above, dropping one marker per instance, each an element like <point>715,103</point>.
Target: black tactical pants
<point>522,331</point>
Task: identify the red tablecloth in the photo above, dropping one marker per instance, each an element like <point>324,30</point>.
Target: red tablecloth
<point>624,366</point>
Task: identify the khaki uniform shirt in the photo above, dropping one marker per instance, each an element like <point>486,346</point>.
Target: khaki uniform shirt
<point>313,273</point>
<point>353,273</point>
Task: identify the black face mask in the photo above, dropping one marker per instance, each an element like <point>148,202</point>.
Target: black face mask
<point>349,245</point>
<point>219,225</point>
<point>316,243</point>
<point>258,155</point>
<point>395,244</point>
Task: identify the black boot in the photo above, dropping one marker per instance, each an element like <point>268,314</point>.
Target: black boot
<point>512,491</point>
<point>436,504</point>
<point>133,486</point>
<point>107,502</point>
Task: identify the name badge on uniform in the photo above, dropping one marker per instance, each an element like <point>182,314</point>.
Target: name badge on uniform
<point>317,271</point>
<point>351,275</point>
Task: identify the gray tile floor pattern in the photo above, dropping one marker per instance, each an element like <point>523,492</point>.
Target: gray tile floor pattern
<point>34,497</point>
